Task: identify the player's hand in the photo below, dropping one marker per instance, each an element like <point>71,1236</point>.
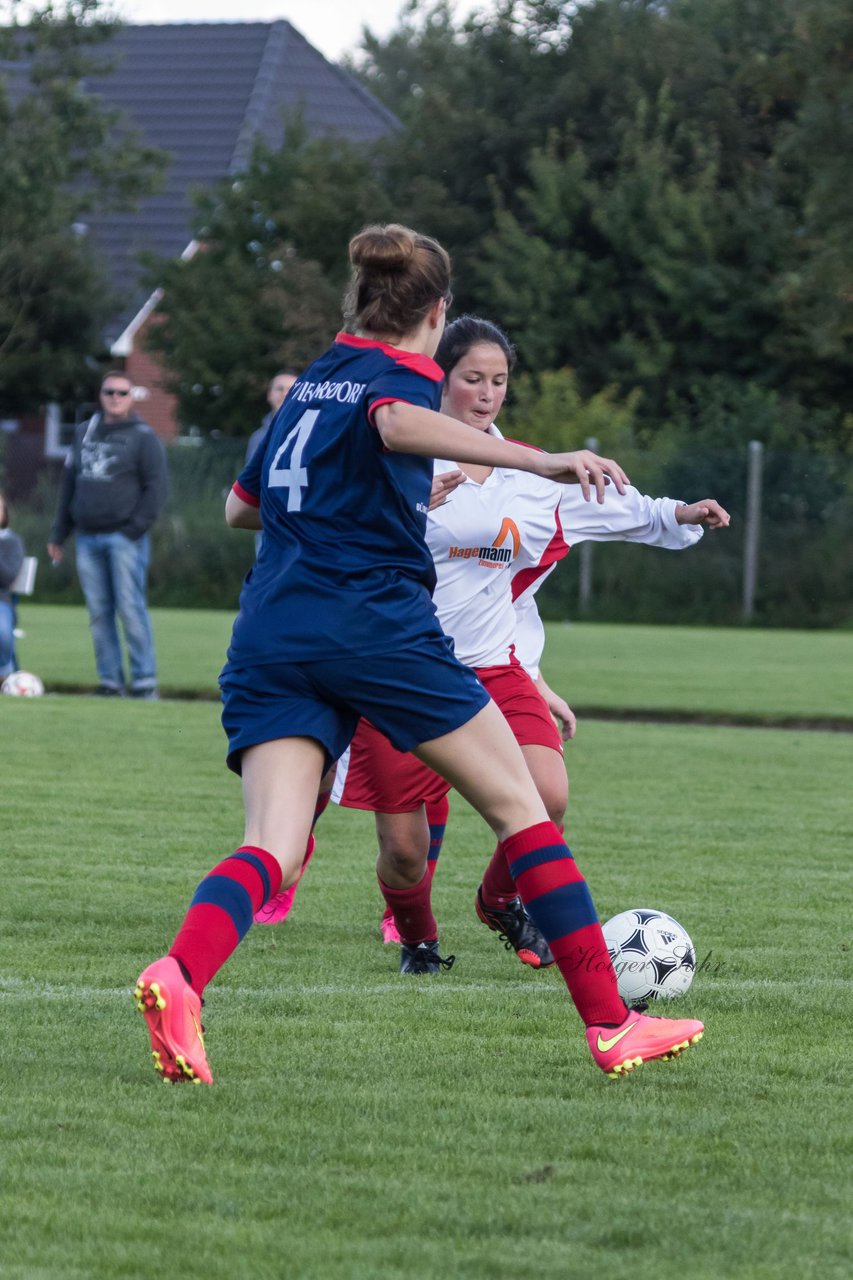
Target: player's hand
<point>706,512</point>
<point>566,719</point>
<point>585,468</point>
<point>443,486</point>
<point>559,708</point>
<point>55,552</point>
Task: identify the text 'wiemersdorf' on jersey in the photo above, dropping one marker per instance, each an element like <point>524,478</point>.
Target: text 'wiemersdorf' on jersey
<point>344,392</point>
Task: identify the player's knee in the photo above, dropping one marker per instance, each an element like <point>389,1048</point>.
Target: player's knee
<point>405,860</point>
<point>555,801</point>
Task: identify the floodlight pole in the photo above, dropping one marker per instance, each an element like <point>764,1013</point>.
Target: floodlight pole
<point>755,468</point>
<point>585,554</point>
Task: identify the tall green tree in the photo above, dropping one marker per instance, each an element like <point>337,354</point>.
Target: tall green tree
<point>474,97</point>
<point>62,154</point>
<point>264,290</point>
<point>650,193</point>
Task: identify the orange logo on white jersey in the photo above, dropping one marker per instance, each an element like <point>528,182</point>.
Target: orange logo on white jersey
<point>497,556</point>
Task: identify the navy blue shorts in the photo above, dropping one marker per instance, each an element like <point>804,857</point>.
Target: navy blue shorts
<point>412,695</point>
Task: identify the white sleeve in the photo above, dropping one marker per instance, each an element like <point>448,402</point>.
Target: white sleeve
<point>628,517</point>
<point>529,635</point>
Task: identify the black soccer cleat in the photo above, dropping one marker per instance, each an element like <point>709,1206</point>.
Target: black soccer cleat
<point>423,957</point>
<point>517,930</point>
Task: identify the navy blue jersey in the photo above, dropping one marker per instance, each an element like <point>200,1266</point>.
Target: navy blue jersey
<point>343,565</point>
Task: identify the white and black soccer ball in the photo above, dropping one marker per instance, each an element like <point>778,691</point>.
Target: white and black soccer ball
<point>652,954</point>
<point>22,684</point>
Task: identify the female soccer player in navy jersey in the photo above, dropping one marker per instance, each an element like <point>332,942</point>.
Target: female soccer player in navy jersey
<point>336,622</point>
<point>493,543</point>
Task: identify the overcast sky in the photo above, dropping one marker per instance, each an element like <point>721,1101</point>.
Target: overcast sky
<point>332,26</point>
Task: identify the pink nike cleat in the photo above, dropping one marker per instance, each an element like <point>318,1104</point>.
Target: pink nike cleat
<point>277,908</point>
<point>390,933</point>
<point>172,1011</point>
<point>618,1050</point>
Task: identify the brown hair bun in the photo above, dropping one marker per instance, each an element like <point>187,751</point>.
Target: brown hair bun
<point>398,274</point>
<point>388,248</point>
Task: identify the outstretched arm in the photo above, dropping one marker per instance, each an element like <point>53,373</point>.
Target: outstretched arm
<point>408,428</point>
<point>636,517</point>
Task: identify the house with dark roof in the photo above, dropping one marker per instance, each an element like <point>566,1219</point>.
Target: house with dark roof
<point>203,92</point>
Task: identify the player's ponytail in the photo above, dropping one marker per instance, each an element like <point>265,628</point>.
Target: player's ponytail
<point>397,276</point>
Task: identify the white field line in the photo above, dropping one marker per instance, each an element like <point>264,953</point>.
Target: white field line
<point>12,988</point>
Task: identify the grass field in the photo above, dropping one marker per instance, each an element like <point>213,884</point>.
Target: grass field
<point>761,675</point>
<point>364,1127</point>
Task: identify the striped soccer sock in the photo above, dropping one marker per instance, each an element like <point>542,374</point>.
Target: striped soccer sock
<point>498,887</point>
<point>221,911</point>
<point>436,814</point>
<point>559,902</point>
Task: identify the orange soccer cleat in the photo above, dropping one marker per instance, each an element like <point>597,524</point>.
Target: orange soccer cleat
<point>618,1050</point>
<point>172,1011</point>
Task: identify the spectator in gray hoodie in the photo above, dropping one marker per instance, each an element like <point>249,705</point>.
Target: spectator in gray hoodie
<point>113,488</point>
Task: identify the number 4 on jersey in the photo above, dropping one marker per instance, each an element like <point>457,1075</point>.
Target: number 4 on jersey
<point>293,478</point>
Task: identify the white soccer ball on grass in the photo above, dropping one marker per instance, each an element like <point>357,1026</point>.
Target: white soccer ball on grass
<point>652,954</point>
<point>22,684</point>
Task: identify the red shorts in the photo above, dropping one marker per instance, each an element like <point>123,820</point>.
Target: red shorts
<point>373,775</point>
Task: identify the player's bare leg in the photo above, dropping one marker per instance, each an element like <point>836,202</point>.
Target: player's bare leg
<point>278,907</point>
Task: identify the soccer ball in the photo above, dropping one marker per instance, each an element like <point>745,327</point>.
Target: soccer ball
<point>652,954</point>
<point>22,684</point>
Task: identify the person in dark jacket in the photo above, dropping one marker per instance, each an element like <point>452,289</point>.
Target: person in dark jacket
<point>276,391</point>
<point>11,559</point>
<point>113,488</point>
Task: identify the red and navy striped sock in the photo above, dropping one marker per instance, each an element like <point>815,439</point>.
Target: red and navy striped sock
<point>221,911</point>
<point>436,815</point>
<point>498,887</point>
<point>412,911</point>
<point>560,904</point>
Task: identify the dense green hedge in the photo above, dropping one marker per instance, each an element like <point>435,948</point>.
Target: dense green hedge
<point>805,569</point>
<point>805,574</point>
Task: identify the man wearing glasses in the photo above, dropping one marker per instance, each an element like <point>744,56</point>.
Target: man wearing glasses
<point>113,488</point>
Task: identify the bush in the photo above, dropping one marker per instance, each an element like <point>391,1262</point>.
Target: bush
<point>805,573</point>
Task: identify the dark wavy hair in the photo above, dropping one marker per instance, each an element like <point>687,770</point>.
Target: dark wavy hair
<point>465,333</point>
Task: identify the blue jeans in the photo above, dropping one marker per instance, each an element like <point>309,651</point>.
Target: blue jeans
<point>7,639</point>
<point>113,571</point>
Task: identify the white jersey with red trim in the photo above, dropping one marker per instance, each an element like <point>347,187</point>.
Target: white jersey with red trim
<point>517,526</point>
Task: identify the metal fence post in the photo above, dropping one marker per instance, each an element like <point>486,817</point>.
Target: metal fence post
<point>585,553</point>
<point>753,524</point>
